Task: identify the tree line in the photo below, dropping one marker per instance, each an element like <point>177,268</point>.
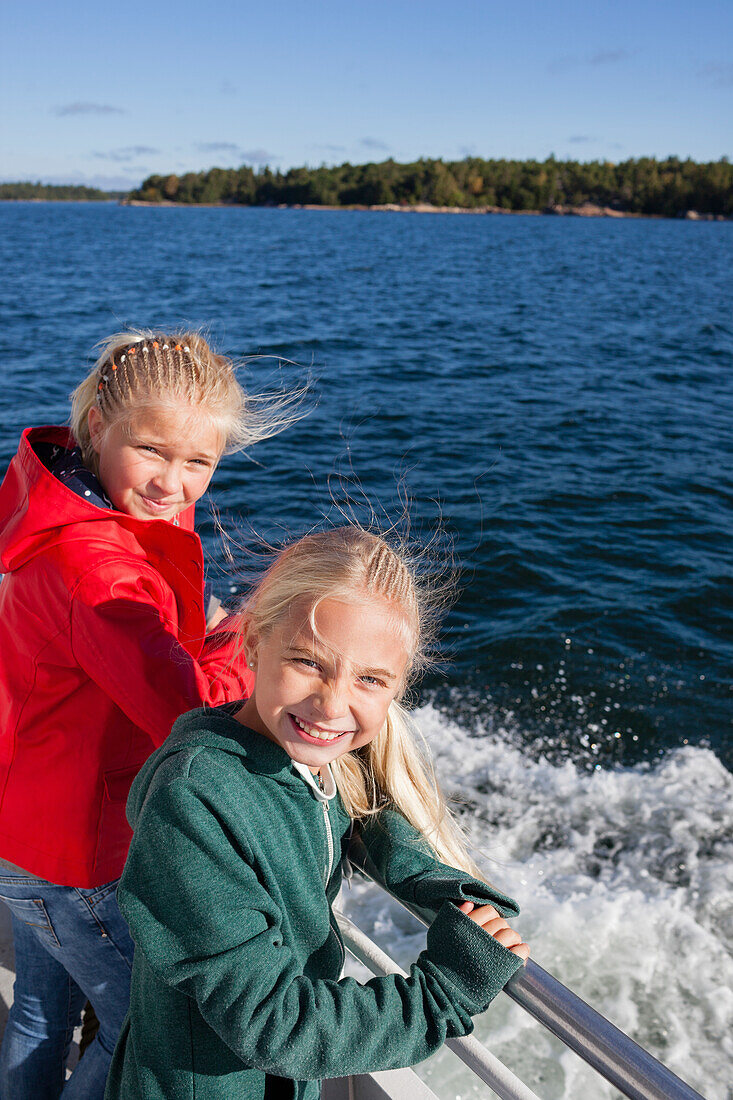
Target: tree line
<point>59,192</point>
<point>642,186</point>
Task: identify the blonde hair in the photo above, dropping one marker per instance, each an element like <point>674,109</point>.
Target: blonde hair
<point>351,564</point>
<point>143,370</point>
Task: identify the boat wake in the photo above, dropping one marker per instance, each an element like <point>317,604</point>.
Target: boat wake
<point>625,879</point>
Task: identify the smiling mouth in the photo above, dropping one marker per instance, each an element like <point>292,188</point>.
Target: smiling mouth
<point>158,505</point>
<point>316,733</point>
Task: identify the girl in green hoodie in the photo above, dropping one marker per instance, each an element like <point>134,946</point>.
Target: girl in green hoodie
<point>242,820</point>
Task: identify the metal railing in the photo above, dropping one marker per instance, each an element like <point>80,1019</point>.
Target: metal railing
<point>626,1065</point>
<point>480,1060</point>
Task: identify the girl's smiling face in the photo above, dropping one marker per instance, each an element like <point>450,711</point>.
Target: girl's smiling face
<point>320,694</point>
<point>159,462</point>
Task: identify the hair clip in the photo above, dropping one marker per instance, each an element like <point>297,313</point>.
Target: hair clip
<point>156,345</point>
<point>132,351</point>
<point>186,349</point>
<point>122,358</point>
<point>165,347</point>
<point>178,347</point>
<point>145,349</point>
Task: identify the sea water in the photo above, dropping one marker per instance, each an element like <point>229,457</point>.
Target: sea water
<point>555,398</point>
<point>624,877</point>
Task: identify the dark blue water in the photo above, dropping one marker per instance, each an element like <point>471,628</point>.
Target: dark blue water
<point>558,390</point>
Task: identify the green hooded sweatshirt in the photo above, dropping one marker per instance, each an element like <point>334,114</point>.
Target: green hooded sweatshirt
<point>227,890</point>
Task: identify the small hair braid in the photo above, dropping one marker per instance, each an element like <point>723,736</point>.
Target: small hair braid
<point>192,370</point>
<point>174,364</point>
<point>175,359</point>
<point>156,356</point>
<point>109,385</point>
<point>125,362</point>
<point>387,574</point>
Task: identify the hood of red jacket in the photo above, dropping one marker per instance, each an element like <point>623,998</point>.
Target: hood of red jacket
<point>37,511</point>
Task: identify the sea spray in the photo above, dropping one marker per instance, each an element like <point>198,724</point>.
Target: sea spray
<point>625,880</point>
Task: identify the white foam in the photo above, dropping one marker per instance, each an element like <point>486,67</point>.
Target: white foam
<point>625,880</point>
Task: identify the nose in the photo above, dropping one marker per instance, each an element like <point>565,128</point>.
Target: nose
<point>329,699</point>
<point>168,479</point>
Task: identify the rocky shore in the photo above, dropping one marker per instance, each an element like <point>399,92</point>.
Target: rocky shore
<point>585,210</point>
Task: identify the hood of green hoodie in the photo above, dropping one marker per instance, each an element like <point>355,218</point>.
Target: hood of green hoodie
<point>216,728</point>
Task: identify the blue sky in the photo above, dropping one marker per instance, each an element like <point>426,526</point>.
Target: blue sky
<point>108,93</point>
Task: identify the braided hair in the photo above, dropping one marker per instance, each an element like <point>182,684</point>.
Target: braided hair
<point>142,370</point>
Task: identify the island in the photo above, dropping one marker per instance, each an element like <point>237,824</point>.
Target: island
<point>641,187</point>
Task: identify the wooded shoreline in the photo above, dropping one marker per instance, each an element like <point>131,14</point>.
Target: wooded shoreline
<point>646,187</point>
<point>666,188</point>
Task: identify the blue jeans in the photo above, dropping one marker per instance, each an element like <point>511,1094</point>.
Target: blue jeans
<point>71,945</point>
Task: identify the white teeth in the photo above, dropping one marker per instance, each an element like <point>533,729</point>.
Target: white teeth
<point>314,731</point>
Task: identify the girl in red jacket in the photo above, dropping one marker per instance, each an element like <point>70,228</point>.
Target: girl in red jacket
<point>103,643</point>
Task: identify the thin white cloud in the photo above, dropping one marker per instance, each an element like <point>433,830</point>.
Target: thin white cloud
<point>257,156</point>
<point>567,62</point>
<point>719,73</point>
<point>87,109</point>
<point>374,143</point>
<point>608,57</point>
<point>129,152</point>
<point>244,156</point>
<point>217,147</point>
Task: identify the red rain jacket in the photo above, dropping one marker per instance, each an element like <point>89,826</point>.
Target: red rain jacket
<point>102,646</point>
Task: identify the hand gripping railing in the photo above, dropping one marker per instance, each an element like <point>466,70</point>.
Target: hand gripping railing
<point>480,1060</point>
<point>630,1068</point>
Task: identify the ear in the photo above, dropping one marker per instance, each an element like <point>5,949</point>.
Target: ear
<point>250,642</point>
<point>97,427</point>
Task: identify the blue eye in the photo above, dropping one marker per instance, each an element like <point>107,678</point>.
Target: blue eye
<point>306,661</point>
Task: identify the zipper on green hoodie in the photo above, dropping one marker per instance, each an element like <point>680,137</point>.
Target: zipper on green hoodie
<point>329,843</point>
